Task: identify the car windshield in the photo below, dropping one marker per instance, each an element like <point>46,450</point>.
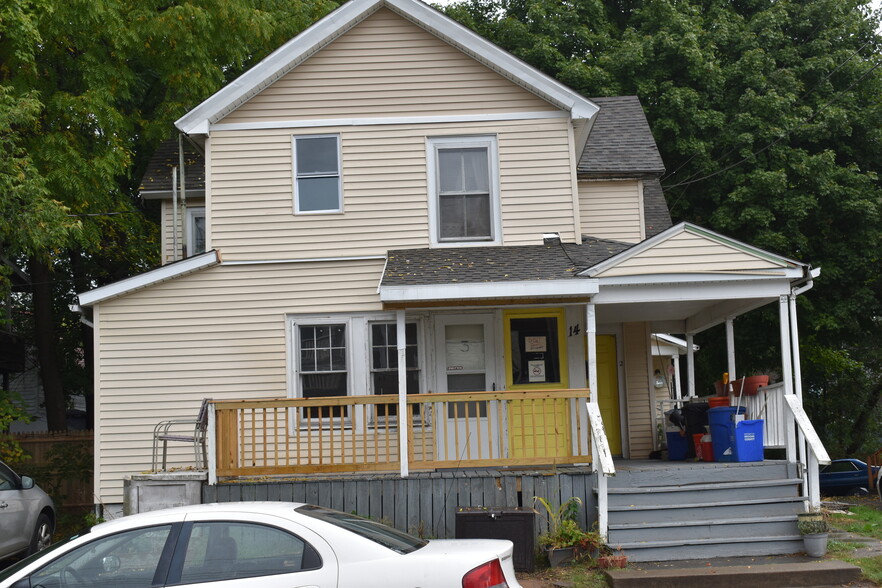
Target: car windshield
<point>7,572</point>
<point>384,535</point>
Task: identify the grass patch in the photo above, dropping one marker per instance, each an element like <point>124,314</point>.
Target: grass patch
<point>864,520</point>
<point>583,574</point>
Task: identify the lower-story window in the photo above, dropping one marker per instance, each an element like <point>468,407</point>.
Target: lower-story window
<point>384,363</point>
<point>323,366</point>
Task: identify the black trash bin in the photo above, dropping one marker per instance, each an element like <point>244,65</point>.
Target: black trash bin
<point>500,522</point>
<point>696,423</point>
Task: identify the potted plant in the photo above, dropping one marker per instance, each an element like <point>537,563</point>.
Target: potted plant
<point>565,540</point>
<point>610,560</point>
<point>814,528</point>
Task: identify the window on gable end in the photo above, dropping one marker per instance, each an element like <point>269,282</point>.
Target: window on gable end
<point>317,177</point>
<point>195,230</point>
<point>464,199</point>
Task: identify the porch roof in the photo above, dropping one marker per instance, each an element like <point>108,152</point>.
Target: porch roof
<point>477,265</point>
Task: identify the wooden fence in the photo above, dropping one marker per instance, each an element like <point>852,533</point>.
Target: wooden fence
<point>61,463</point>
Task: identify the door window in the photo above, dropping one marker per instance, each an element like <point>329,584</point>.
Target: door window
<point>127,559</point>
<point>466,362</point>
<point>534,351</point>
<point>224,550</point>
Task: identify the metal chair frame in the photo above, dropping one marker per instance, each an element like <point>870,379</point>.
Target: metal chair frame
<point>163,432</point>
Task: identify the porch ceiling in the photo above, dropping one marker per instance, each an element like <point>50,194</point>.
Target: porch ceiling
<point>679,316</point>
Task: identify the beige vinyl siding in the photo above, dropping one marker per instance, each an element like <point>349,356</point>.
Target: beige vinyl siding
<point>219,333</point>
<point>166,231</point>
<point>703,255</point>
<point>612,210</point>
<point>635,340</point>
<point>385,191</point>
<point>387,66</point>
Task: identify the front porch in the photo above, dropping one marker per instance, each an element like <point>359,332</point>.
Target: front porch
<point>501,449</point>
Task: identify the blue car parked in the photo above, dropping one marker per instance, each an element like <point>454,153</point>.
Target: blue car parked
<point>846,477</point>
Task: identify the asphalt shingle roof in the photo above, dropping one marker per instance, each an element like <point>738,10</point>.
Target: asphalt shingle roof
<point>158,175</point>
<point>656,215</point>
<point>465,265</point>
<point>620,141</point>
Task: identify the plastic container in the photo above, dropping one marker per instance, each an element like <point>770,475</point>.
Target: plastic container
<point>707,448</point>
<point>696,443</point>
<point>748,440</point>
<point>715,401</point>
<point>722,429</point>
<point>678,446</point>
<point>750,385</point>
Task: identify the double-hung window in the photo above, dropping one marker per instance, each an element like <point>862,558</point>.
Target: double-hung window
<point>384,363</point>
<point>195,230</point>
<point>464,204</point>
<point>318,186</point>
<point>323,366</point>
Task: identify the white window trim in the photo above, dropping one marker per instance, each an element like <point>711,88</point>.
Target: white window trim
<point>339,208</point>
<point>192,213</point>
<point>491,143</point>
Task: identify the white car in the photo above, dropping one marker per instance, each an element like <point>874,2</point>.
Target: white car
<point>266,544</point>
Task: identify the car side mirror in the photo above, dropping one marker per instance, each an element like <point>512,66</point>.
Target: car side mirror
<point>110,563</point>
<point>27,482</point>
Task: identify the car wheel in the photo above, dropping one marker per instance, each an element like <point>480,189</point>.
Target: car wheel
<point>42,536</point>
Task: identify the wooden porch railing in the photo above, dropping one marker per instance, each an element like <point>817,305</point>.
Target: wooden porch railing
<point>360,433</point>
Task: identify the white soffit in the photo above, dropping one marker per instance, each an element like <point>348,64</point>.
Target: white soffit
<point>483,291</point>
<point>161,274</point>
<point>322,33</point>
<point>684,227</point>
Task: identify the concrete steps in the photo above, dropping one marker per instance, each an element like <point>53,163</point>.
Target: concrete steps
<point>718,510</point>
<point>771,575</point>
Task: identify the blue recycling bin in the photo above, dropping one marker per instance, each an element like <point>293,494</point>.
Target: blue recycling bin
<point>678,446</point>
<point>722,429</point>
<point>749,441</point>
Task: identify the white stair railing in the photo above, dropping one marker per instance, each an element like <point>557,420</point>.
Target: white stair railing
<point>602,463</point>
<point>815,452</point>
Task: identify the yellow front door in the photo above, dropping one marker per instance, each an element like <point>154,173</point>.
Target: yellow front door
<point>535,359</point>
<point>608,391</point>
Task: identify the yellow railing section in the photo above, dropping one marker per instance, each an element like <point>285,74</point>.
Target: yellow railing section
<point>361,433</point>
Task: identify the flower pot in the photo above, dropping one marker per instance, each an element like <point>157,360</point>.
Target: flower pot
<point>560,556</point>
<point>750,384</point>
<point>611,562</point>
<point>815,544</point>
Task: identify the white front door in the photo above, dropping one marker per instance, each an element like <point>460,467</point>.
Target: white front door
<point>466,352</point>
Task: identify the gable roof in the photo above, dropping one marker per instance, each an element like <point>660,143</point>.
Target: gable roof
<point>620,141</point>
<point>331,27</point>
<point>665,252</point>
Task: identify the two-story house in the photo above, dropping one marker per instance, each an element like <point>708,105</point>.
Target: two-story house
<point>399,218</point>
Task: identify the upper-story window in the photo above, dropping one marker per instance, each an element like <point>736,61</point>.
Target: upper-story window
<point>195,230</point>
<point>464,199</point>
<point>317,178</point>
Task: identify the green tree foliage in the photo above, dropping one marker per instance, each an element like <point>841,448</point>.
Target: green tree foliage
<point>769,120</point>
<point>88,88</point>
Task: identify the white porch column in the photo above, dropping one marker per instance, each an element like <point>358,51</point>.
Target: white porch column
<point>786,370</point>
<point>730,347</point>
<point>403,416</point>
<point>591,342</point>
<point>677,387</point>
<point>690,363</point>
<point>591,347</point>
<point>794,342</point>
